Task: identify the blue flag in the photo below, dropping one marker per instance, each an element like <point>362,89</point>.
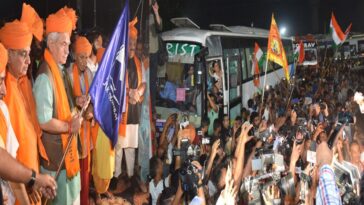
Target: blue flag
<point>108,89</point>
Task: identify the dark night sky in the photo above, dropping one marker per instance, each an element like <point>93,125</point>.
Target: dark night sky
<point>299,16</point>
<point>296,15</point>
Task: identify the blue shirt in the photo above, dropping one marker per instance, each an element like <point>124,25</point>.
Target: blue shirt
<point>169,92</point>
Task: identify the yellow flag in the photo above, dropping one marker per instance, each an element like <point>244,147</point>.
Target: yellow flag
<point>276,51</point>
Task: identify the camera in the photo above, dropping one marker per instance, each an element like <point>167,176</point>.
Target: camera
<point>345,117</point>
<point>259,184</point>
<point>187,151</point>
<point>347,179</point>
<point>206,140</point>
<point>189,177</point>
<point>263,135</point>
<point>302,133</point>
<point>187,173</point>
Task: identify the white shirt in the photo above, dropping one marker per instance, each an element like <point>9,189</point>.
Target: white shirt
<point>11,143</point>
<point>93,67</point>
<point>155,191</point>
<point>12,146</point>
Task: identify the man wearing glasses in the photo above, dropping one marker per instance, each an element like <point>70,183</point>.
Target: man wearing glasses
<point>17,37</point>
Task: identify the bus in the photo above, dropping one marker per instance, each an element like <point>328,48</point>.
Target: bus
<point>194,59</point>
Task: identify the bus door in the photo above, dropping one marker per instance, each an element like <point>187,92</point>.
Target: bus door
<point>234,85</point>
<point>217,85</point>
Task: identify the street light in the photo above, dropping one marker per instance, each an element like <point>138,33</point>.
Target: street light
<point>282,31</point>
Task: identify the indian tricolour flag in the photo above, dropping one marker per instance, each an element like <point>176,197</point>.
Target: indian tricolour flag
<point>257,60</point>
<point>299,53</point>
<point>337,34</point>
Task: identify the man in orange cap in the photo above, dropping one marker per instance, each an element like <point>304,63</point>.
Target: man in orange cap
<point>129,125</point>
<point>81,78</point>
<point>36,26</point>
<point>53,107</point>
<point>10,168</point>
<point>17,38</point>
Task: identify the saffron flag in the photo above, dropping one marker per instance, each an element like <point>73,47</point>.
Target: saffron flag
<point>299,53</point>
<point>276,51</point>
<point>108,89</point>
<point>337,34</point>
<point>257,61</point>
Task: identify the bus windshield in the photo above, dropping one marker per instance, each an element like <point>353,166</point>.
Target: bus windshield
<point>176,89</point>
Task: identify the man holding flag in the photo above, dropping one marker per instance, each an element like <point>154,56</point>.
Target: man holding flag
<point>81,78</point>
<point>54,111</point>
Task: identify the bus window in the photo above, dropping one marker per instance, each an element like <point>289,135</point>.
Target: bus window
<point>244,62</point>
<point>232,57</point>
<point>215,82</point>
<point>177,91</point>
<point>215,75</point>
<point>249,52</point>
<point>289,53</point>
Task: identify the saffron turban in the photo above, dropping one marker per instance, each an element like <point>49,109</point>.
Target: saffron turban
<point>82,45</point>
<point>63,21</point>
<point>16,35</point>
<point>34,22</point>
<point>3,58</point>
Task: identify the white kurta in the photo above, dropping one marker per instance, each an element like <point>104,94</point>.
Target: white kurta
<point>11,143</point>
<point>11,146</point>
<point>130,140</point>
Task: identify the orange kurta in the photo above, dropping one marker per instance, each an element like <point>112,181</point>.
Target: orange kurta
<point>22,124</point>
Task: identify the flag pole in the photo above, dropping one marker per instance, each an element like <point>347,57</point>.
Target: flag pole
<point>333,57</point>
<point>265,78</point>
<point>293,79</point>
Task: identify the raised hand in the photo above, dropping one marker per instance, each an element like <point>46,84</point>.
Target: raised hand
<point>215,147</point>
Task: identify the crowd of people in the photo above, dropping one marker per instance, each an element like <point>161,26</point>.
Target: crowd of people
<point>302,142</point>
<point>278,150</point>
<point>52,150</point>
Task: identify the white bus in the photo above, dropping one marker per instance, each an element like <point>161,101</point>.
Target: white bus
<point>232,49</point>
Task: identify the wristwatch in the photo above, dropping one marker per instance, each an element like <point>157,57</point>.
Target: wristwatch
<point>31,182</point>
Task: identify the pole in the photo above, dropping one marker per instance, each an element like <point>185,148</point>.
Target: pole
<point>95,10</point>
<point>292,84</point>
<point>265,79</point>
<point>324,60</point>
<point>333,57</point>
